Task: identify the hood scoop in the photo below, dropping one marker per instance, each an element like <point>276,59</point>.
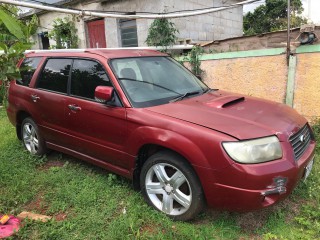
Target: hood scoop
<point>226,101</point>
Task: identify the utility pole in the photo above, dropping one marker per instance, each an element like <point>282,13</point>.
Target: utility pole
<point>288,32</point>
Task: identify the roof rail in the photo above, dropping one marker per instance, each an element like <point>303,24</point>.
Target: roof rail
<point>55,50</point>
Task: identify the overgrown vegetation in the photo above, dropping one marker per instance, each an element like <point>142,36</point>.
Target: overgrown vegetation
<point>194,60</point>
<point>14,40</point>
<point>272,16</point>
<point>87,202</point>
<point>64,33</point>
<point>162,33</point>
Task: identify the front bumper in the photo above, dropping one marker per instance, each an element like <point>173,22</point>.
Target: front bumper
<point>247,187</point>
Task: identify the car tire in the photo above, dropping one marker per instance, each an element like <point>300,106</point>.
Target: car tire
<point>170,185</point>
<point>31,137</point>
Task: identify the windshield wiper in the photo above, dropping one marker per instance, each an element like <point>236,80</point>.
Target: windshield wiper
<point>187,94</point>
<point>153,84</point>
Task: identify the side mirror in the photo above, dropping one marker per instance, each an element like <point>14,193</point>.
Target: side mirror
<point>103,94</point>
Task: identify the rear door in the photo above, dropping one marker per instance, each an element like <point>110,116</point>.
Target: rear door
<point>49,97</point>
<point>98,130</point>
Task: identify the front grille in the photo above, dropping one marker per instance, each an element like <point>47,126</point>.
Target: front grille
<point>300,141</point>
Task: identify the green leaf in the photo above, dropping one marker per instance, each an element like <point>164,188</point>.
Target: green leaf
<point>12,24</point>
<point>3,47</point>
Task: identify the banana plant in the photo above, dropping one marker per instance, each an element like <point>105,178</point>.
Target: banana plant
<point>11,52</point>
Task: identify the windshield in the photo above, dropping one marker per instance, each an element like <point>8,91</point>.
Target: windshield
<point>150,81</point>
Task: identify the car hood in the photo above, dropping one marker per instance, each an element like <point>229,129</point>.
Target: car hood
<point>242,117</point>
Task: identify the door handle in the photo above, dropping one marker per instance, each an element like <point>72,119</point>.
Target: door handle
<point>34,97</point>
<point>73,107</point>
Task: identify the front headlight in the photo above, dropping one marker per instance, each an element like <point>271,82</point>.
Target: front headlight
<point>254,151</point>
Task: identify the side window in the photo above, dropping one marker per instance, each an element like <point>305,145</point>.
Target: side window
<point>54,76</point>
<point>86,76</point>
<point>27,69</point>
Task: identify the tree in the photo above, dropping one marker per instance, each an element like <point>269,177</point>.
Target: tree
<point>14,40</point>
<point>162,33</point>
<point>194,60</point>
<point>5,35</point>
<point>28,26</point>
<point>272,16</point>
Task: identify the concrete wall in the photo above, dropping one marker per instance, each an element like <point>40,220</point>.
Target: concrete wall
<point>307,85</point>
<point>264,77</point>
<point>207,27</point>
<point>264,73</point>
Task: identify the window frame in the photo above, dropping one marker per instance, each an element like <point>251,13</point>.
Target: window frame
<point>120,20</point>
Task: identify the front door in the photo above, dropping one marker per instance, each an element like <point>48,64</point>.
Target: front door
<point>97,35</point>
<point>98,130</point>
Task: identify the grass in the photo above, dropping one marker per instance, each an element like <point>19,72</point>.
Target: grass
<point>87,202</point>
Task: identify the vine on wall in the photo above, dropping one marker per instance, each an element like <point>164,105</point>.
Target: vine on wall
<point>64,33</point>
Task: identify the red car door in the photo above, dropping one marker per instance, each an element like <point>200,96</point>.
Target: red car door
<point>97,130</point>
<point>48,100</point>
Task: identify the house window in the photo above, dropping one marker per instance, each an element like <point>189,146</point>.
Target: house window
<point>128,32</point>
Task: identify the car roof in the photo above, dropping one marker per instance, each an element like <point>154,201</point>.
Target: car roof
<point>107,53</point>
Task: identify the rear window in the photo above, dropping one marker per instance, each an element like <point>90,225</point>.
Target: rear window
<point>27,69</point>
<point>54,76</point>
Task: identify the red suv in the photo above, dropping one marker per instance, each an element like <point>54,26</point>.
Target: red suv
<point>142,115</point>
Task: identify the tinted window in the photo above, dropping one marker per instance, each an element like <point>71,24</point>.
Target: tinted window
<point>27,69</point>
<point>54,76</point>
<point>86,76</point>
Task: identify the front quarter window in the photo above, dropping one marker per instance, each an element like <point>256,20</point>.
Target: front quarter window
<point>150,81</point>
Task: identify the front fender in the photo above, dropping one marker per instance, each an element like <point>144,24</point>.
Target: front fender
<point>166,138</point>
